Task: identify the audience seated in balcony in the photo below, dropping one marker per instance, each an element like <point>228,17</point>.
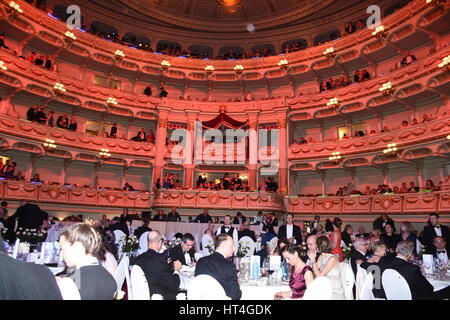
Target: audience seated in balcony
<point>36,178</point>
<point>408,58</point>
<point>2,42</point>
<point>128,187</point>
<point>163,92</point>
<point>72,125</point>
<point>63,121</point>
<point>361,75</point>
<point>349,28</point>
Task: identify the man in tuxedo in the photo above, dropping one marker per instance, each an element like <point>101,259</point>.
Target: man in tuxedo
<point>359,253</point>
<point>381,222</point>
<point>315,225</point>
<point>432,230</point>
<point>420,288</point>
<point>32,113</point>
<point>239,218</point>
<point>25,281</point>
<point>173,215</point>
<point>184,252</point>
<point>160,216</point>
<point>246,232</point>
<point>290,231</point>
<point>217,266</point>
<point>203,217</point>
<point>160,271</point>
<point>29,216</point>
<point>228,229</point>
<point>440,251</point>
<point>144,228</point>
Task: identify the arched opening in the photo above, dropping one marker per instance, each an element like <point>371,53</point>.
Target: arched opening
<point>262,50</point>
<point>294,45</point>
<point>200,51</point>
<point>327,36</point>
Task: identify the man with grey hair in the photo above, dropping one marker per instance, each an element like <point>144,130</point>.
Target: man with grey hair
<point>161,273</point>
<point>358,254</point>
<point>311,242</point>
<point>246,232</point>
<point>420,288</point>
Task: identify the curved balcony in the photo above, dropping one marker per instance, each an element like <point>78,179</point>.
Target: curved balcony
<point>219,200</point>
<point>418,81</point>
<point>13,190</point>
<point>406,137</point>
<point>34,135</point>
<point>415,203</point>
<point>413,14</point>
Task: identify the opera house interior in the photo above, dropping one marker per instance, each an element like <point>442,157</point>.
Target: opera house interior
<point>317,129</point>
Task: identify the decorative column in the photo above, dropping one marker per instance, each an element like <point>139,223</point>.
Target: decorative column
<point>66,164</point>
<point>160,147</point>
<point>253,146</point>
<point>324,182</point>
<point>282,151</point>
<point>189,151</point>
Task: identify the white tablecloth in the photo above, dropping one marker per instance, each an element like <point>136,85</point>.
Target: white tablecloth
<point>249,292</point>
<point>438,284</point>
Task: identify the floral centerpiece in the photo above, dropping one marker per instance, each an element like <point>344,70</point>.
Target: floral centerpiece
<point>31,236</point>
<point>243,249</point>
<point>130,243</point>
<point>347,251</point>
<point>210,247</point>
<point>169,244</point>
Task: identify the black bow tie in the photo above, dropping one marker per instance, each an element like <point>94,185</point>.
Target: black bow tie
<point>439,252</point>
<point>437,227</point>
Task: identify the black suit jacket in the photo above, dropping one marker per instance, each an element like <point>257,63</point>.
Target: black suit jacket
<point>383,263</point>
<point>159,274</point>
<point>236,220</point>
<point>223,271</point>
<point>26,281</point>
<point>30,216</point>
<point>177,253</point>
<point>428,235</point>
<point>173,216</point>
<point>247,233</point>
<point>346,237</point>
<point>203,218</point>
<point>296,233</point>
<point>356,255</point>
<point>420,288</point>
<point>119,226</point>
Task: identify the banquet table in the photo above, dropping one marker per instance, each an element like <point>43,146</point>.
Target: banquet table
<point>438,284</point>
<point>252,290</point>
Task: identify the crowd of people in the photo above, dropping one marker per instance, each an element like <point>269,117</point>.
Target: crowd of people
<point>360,133</point>
<point>343,81</point>
<point>350,189</point>
<point>310,249</point>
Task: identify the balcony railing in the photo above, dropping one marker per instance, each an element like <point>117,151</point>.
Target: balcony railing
<point>219,200</point>
<point>415,203</point>
<point>16,190</point>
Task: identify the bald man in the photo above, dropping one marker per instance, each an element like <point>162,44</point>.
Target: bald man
<point>161,273</point>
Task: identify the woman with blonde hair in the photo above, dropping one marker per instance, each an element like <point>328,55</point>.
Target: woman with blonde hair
<point>80,246</point>
<point>407,232</point>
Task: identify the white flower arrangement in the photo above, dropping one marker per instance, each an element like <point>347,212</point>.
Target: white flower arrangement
<point>242,249</point>
<point>129,243</point>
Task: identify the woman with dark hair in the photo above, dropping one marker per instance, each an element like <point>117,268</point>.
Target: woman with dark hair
<point>336,238</point>
<point>108,251</point>
<point>347,235</point>
<point>301,274</point>
<point>390,238</point>
<point>429,185</point>
<point>327,265</point>
<point>328,226</point>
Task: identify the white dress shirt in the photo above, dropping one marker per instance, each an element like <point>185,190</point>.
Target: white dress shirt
<point>289,231</point>
<point>187,257</point>
<point>438,230</point>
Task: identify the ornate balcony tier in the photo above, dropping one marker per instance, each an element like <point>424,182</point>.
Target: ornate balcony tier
<point>416,203</point>
<point>36,19</point>
<point>430,131</point>
<point>419,80</point>
<point>219,200</point>
<point>13,190</point>
<point>35,134</point>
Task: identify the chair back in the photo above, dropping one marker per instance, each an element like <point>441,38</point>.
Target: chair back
<point>204,287</point>
<point>143,243</point>
<point>248,242</point>
<point>206,240</point>
<point>366,290</point>
<point>395,285</point>
<point>139,284</point>
<point>122,274</point>
<point>361,276</point>
<point>118,235</point>
<point>198,255</point>
<point>68,289</point>
<point>348,279</point>
<point>319,289</point>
